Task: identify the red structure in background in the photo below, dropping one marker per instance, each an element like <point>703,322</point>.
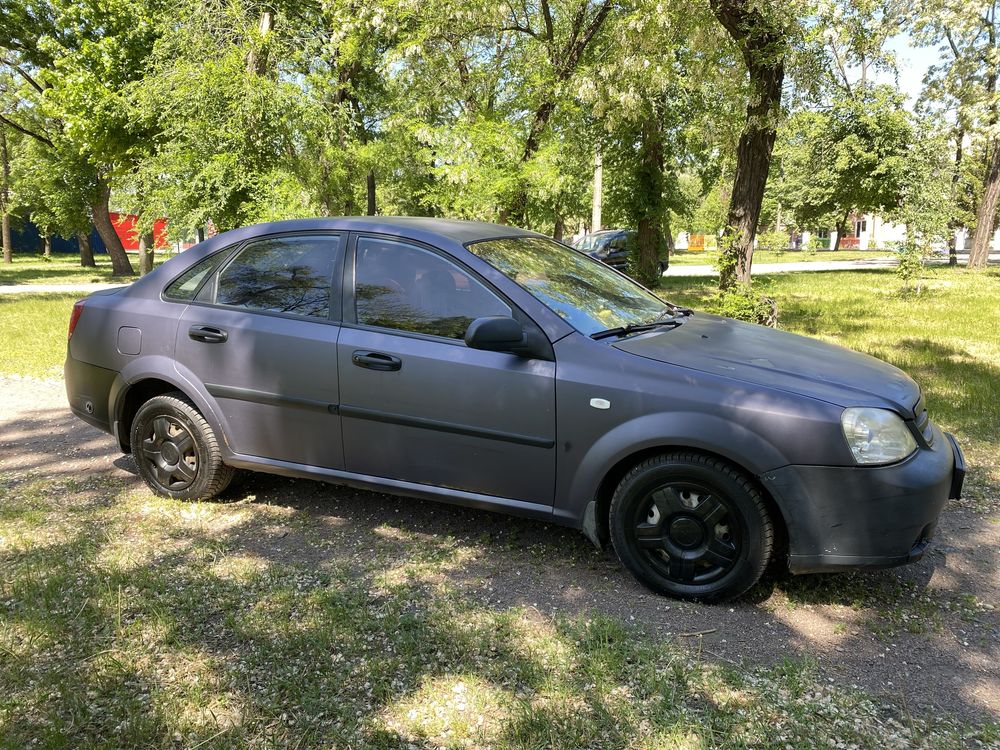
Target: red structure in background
<point>125,227</point>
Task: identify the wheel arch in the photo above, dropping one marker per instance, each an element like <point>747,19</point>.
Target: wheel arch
<point>600,531</point>
<point>137,385</point>
<point>586,494</point>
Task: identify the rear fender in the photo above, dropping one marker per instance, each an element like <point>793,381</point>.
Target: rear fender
<point>166,369</point>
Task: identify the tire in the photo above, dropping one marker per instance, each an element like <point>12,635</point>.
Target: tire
<point>176,450</point>
<point>691,526</point>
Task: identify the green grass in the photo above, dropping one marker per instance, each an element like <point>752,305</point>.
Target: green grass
<point>61,268</point>
<point>132,621</point>
<point>33,333</point>
<point>684,258</point>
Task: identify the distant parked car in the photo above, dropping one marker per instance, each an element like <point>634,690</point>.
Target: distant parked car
<point>612,246</point>
<point>495,368</point>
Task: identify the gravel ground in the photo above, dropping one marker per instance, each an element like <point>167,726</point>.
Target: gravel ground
<point>925,637</point>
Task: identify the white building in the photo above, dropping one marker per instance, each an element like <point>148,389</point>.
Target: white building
<point>867,232</point>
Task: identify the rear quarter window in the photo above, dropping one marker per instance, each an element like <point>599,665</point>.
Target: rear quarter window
<point>186,286</point>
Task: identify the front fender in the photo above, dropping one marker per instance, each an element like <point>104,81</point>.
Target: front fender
<point>697,431</point>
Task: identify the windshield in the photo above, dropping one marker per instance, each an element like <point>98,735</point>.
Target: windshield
<point>585,292</point>
<point>592,241</point>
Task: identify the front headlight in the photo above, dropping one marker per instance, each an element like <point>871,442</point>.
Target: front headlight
<point>876,436</point>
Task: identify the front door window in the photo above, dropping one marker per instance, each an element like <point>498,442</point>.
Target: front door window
<point>407,288</point>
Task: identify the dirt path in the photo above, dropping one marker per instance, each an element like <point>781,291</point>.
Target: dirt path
<point>925,637</point>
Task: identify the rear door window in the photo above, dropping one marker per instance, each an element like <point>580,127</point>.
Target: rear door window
<point>291,275</point>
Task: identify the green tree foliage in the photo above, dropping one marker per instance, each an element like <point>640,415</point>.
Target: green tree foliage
<point>853,156</point>
<point>925,206</point>
<point>658,118</point>
<point>225,124</point>
<point>74,63</point>
<point>238,112</point>
<point>964,84</point>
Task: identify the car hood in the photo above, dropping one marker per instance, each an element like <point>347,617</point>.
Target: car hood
<point>776,359</point>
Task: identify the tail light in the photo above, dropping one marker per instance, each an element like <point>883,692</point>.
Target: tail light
<point>74,318</point>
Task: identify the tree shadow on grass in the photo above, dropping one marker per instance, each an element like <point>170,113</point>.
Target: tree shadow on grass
<point>287,597</point>
<point>302,614</point>
<point>55,272</point>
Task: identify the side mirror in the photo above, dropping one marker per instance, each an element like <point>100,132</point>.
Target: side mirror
<point>497,333</point>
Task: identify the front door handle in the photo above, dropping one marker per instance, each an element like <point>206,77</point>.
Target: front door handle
<point>208,334</point>
<point>376,360</point>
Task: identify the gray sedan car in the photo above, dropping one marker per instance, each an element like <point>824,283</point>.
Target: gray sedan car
<point>495,368</point>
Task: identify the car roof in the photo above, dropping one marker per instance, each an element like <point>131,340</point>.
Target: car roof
<point>457,230</point>
<point>431,230</point>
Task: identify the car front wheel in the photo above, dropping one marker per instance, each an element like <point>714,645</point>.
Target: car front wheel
<point>176,450</point>
<point>691,526</point>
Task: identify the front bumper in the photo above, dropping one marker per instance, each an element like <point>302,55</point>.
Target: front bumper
<point>841,518</point>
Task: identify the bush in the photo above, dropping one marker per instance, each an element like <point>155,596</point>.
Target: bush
<point>742,303</point>
<point>776,241</point>
<point>911,264</point>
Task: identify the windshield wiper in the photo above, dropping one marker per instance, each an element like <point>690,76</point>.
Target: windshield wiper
<point>671,311</point>
<point>635,328</point>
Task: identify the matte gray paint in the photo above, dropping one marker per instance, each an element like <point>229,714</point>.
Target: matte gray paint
<point>900,505</point>
<point>296,357</point>
<point>396,487</point>
<point>129,340</point>
<point>264,397</point>
<point>445,381</point>
<point>768,401</point>
<point>779,360</point>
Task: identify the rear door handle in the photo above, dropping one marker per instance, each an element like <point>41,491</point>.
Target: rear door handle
<point>208,334</point>
<point>376,360</point>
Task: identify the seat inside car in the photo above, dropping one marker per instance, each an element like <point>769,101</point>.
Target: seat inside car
<point>434,291</point>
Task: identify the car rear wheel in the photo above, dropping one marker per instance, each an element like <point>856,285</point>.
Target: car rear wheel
<point>176,450</point>
<point>691,526</point>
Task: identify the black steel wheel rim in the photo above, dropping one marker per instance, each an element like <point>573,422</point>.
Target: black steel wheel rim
<point>169,452</point>
<point>688,532</point>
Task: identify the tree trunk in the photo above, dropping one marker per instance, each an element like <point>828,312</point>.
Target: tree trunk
<point>257,60</point>
<point>560,228</point>
<point>146,253</point>
<point>841,231</point>
<point>371,192</point>
<point>200,232</point>
<point>8,250</point>
<point>955,180</point>
<point>86,251</point>
<point>763,46</point>
<point>47,246</point>
<point>120,264</point>
<point>649,190</point>
<point>598,201</point>
<point>753,159</point>
<point>986,215</point>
